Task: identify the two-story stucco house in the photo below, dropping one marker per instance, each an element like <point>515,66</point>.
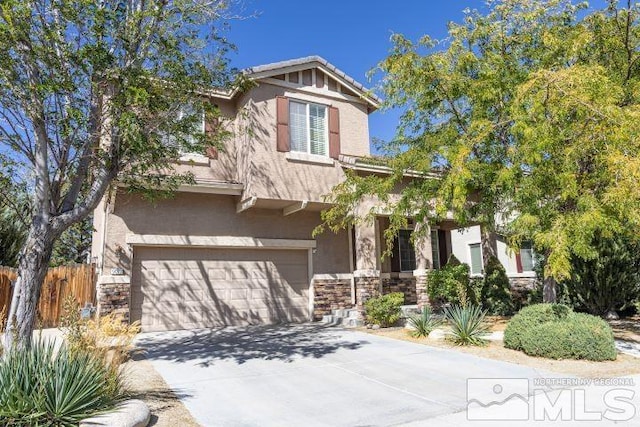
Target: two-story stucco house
<point>236,248</point>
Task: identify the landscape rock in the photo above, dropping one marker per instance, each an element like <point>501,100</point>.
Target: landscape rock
<point>612,315</point>
<point>130,413</point>
<point>437,335</point>
<point>375,327</point>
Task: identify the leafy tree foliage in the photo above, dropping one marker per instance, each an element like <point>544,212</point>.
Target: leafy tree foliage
<point>526,115</point>
<point>14,208</point>
<point>456,129</point>
<point>74,244</point>
<point>12,235</point>
<point>90,93</point>
<point>576,127</point>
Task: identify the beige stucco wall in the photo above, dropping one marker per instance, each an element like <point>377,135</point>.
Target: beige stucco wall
<point>214,215</point>
<point>268,173</point>
<point>250,157</point>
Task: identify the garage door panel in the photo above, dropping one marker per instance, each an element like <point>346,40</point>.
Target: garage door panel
<point>178,288</point>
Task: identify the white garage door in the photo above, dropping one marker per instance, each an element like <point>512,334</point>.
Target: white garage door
<point>180,288</point>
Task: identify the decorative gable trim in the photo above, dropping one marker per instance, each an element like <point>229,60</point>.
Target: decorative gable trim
<point>301,65</point>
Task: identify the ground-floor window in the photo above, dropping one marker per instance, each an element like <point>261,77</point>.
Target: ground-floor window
<point>435,249</point>
<point>527,260</point>
<point>406,251</point>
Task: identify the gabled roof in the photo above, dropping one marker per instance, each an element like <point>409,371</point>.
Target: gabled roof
<point>270,70</point>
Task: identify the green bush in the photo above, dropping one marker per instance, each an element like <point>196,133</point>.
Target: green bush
<point>530,317</point>
<point>555,331</point>
<point>610,281</point>
<point>424,323</point>
<point>44,387</point>
<point>467,324</point>
<point>451,284</point>
<point>384,310</point>
<point>496,290</point>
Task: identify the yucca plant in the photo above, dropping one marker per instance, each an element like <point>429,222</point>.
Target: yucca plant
<point>48,387</point>
<point>423,323</point>
<point>467,324</point>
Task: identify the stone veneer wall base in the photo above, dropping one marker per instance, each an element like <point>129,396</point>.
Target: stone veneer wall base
<point>366,288</point>
<point>405,285</point>
<point>329,295</point>
<point>113,295</point>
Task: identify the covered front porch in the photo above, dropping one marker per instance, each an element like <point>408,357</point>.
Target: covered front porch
<point>377,269</point>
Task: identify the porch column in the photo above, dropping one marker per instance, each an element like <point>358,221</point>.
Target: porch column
<point>366,276</point>
<point>424,262</point>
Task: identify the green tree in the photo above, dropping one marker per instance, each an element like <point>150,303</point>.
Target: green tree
<point>74,244</point>
<point>577,142</point>
<point>525,116</point>
<point>14,217</point>
<point>457,123</point>
<point>89,92</point>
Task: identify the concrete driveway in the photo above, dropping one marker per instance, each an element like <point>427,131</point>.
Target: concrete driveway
<point>313,375</point>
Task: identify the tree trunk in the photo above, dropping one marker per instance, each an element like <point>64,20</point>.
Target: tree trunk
<point>32,269</point>
<point>549,290</point>
<point>489,244</point>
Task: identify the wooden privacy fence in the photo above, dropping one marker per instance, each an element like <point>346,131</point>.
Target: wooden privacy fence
<point>77,280</point>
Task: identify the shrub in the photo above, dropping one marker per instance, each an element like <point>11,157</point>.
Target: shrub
<point>557,332</point>
<point>609,281</point>
<point>530,317</point>
<point>384,310</point>
<point>496,290</point>
<point>43,386</point>
<point>467,324</point>
<point>451,284</point>
<point>424,323</point>
<point>108,337</point>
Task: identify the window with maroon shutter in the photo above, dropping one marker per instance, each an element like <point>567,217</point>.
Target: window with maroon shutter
<point>282,113</point>
<point>519,262</point>
<point>334,133</point>
<point>210,126</point>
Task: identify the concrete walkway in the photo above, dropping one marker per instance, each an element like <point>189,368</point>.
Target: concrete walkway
<point>320,376</point>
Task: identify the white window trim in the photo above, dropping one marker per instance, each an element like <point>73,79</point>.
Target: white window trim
<point>471,273</point>
<point>299,156</point>
<point>307,105</point>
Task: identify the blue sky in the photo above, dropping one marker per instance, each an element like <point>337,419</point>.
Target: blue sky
<point>351,34</point>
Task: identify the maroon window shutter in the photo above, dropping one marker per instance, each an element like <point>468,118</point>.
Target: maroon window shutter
<point>334,133</point>
<point>282,112</point>
<point>519,262</point>
<point>210,126</point>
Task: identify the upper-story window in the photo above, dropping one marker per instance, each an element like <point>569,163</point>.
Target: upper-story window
<point>197,113</point>
<point>308,128</point>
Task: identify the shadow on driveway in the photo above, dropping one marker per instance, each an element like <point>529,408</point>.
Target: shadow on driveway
<point>281,342</point>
